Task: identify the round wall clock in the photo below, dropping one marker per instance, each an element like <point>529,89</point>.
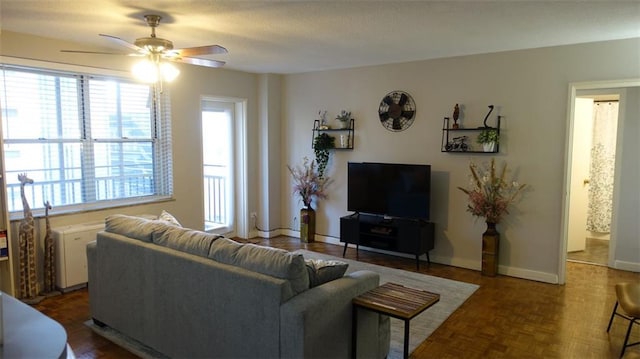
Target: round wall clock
<point>397,111</point>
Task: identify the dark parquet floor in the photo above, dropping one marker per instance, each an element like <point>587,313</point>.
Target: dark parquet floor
<point>505,318</point>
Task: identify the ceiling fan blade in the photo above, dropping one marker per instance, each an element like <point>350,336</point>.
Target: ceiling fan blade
<point>201,50</point>
<point>119,41</point>
<point>98,52</point>
<point>199,61</point>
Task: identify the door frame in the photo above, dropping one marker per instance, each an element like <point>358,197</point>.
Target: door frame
<point>574,87</point>
<point>241,194</point>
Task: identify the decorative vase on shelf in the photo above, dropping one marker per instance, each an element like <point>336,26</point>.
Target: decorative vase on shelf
<point>307,224</point>
<point>343,124</point>
<point>490,250</point>
<point>489,146</point>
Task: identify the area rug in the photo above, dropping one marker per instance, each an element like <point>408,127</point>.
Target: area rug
<point>452,295</point>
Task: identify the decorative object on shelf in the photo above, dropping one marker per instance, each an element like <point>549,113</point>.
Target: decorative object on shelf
<point>488,138</point>
<point>343,119</point>
<point>456,116</point>
<point>344,141</point>
<point>308,184</point>
<point>322,117</point>
<point>487,116</point>
<point>458,144</point>
<point>489,197</point>
<point>27,249</point>
<point>321,146</point>
<point>397,111</point>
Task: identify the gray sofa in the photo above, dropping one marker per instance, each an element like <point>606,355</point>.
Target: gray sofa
<point>188,294</point>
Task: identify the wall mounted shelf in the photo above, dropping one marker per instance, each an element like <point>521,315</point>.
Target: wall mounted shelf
<point>463,140</point>
<point>348,132</point>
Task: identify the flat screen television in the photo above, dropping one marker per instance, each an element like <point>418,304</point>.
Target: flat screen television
<point>389,189</point>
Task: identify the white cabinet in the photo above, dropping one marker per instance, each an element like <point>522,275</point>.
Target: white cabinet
<point>71,254</point>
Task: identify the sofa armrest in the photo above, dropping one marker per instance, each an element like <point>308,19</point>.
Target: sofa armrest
<point>317,322</point>
<point>92,268</point>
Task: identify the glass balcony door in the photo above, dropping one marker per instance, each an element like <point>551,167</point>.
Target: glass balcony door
<point>218,166</point>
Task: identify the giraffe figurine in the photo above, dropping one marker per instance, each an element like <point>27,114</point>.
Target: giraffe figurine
<point>27,247</point>
<point>49,256</point>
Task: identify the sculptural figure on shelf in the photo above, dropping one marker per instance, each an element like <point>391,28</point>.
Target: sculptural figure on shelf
<point>456,116</point>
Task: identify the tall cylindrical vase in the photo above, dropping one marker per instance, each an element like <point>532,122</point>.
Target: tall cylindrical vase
<point>490,250</point>
<point>307,224</point>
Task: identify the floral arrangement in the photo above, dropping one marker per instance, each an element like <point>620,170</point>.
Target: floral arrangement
<point>490,194</point>
<point>307,182</point>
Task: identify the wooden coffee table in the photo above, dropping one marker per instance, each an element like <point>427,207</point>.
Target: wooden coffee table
<point>396,301</point>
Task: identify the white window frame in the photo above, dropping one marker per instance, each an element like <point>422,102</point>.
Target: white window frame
<point>161,139</point>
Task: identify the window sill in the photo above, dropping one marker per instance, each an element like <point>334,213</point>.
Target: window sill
<point>91,207</point>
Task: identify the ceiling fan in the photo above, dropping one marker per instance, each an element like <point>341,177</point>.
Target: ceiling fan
<point>156,49</point>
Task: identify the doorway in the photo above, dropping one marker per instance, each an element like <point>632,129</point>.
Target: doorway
<point>218,165</point>
<point>623,248</point>
<point>592,173</point>
<point>224,166</point>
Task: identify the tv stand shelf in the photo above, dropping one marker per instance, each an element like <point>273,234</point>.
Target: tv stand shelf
<point>397,235</point>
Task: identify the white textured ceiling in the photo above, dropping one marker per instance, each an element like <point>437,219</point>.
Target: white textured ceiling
<point>302,36</point>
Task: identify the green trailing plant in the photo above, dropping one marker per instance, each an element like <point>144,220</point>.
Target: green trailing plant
<point>321,146</point>
<point>488,135</point>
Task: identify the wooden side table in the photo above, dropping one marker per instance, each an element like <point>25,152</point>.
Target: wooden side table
<point>396,301</point>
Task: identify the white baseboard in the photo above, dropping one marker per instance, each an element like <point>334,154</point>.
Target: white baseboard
<point>628,266</point>
<point>456,262</point>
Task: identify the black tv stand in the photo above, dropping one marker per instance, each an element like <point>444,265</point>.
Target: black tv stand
<point>401,235</point>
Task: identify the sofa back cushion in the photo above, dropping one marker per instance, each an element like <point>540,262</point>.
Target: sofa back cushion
<point>266,260</point>
<point>185,240</point>
<point>133,227</point>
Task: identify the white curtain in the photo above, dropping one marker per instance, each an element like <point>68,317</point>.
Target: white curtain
<point>603,149</point>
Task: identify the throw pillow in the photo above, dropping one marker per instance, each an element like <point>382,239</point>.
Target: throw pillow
<point>169,218</point>
<point>322,271</point>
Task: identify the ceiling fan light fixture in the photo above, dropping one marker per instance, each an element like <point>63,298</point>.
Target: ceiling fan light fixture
<point>145,70</point>
<point>150,71</point>
<point>168,71</point>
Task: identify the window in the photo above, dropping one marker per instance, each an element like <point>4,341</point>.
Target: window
<point>87,141</point>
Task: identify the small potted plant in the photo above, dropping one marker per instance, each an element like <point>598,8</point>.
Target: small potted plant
<point>488,138</point>
<point>344,119</point>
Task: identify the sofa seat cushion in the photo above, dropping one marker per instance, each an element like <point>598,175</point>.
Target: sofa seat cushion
<point>185,240</point>
<point>134,227</point>
<point>266,260</point>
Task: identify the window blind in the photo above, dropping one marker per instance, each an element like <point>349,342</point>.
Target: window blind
<point>86,140</point>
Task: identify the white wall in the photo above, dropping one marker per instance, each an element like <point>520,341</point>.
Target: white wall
<point>626,222</point>
<point>528,88</point>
